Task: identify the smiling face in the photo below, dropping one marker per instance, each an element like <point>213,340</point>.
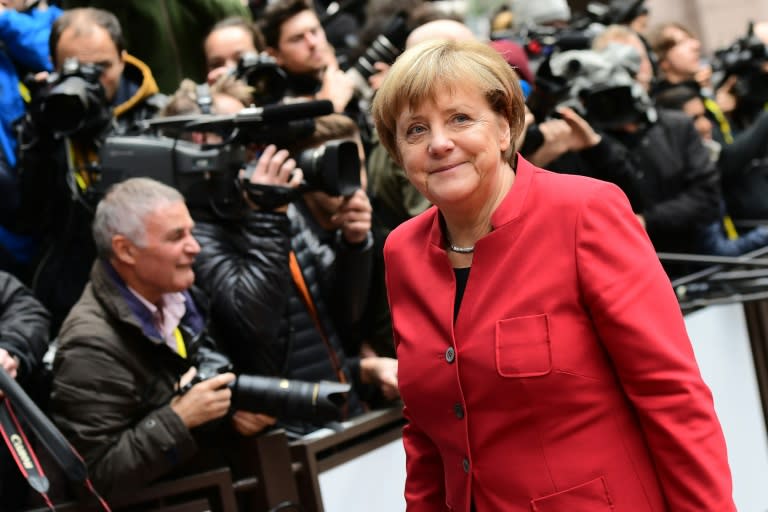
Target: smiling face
<point>162,261</point>
<point>452,147</point>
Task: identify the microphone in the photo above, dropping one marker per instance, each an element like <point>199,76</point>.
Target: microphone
<point>285,111</point>
<point>282,113</point>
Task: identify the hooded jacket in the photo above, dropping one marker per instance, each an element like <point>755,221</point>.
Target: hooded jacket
<point>56,203</point>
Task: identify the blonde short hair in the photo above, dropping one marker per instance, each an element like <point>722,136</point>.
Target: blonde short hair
<point>425,70</point>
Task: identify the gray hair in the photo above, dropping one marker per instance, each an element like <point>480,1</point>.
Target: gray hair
<point>123,209</point>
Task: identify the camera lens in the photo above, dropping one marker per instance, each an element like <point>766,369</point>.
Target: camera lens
<point>333,168</point>
<point>385,48</point>
<point>316,402</point>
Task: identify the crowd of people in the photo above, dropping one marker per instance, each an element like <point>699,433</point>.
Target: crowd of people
<point>331,241</point>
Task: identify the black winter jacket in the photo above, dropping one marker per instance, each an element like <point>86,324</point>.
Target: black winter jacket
<point>256,314</point>
<point>23,325</point>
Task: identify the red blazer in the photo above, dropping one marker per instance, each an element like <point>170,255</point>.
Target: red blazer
<point>568,382</point>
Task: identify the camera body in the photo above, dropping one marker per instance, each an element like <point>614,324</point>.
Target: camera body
<point>600,85</point>
<point>72,101</point>
<point>746,59</point>
<point>208,175</point>
<point>289,400</point>
<point>261,72</point>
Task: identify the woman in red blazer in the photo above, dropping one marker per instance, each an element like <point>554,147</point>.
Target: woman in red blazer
<point>543,359</point>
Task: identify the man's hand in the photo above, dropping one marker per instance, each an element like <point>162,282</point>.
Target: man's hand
<point>251,423</point>
<point>9,362</point>
<point>337,87</point>
<point>354,217</point>
<point>582,134</point>
<point>556,134</point>
<point>275,168</point>
<point>205,401</point>
<point>724,96</point>
<point>381,371</point>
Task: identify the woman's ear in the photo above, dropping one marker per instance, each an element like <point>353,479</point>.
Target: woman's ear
<point>504,133</point>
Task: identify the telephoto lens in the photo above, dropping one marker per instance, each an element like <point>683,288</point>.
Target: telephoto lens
<point>314,402</point>
<point>385,48</point>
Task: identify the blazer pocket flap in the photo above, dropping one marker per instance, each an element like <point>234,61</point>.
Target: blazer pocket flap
<point>589,497</point>
<point>523,347</point>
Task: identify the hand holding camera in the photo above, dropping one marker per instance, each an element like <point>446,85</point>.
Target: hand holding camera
<point>273,168</point>
<point>354,217</point>
<point>205,400</point>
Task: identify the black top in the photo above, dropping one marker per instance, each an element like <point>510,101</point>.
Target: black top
<point>462,276</point>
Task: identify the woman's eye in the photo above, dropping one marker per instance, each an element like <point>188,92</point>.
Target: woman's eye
<point>415,130</point>
<point>461,118</point>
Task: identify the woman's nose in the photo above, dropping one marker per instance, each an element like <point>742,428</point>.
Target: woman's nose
<point>440,142</point>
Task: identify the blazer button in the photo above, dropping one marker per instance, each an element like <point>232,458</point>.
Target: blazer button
<point>450,355</point>
<point>458,410</point>
<point>465,463</point>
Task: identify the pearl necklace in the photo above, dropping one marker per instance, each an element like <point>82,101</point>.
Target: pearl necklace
<point>458,249</point>
<point>461,250</point>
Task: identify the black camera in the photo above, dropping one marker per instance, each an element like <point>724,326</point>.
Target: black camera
<point>289,400</point>
<point>385,48</point>
<point>261,72</point>
<point>208,176</point>
<point>600,85</point>
<point>72,101</point>
<point>745,59</point>
<point>333,168</point>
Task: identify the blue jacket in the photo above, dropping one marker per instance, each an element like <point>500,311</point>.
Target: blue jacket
<point>25,43</point>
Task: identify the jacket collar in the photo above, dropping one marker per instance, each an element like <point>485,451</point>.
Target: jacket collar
<point>114,294</point>
<point>136,85</point>
<point>509,209</point>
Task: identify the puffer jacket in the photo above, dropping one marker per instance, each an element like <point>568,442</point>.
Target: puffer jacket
<point>256,313</point>
<point>114,378</point>
<point>23,325</point>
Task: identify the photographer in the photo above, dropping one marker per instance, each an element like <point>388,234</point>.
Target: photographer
<point>296,39</point>
<point>131,340</point>
<point>657,156</point>
<point>23,49</point>
<point>100,89</point>
<point>23,341</point>
<point>226,43</point>
<point>275,319</point>
<point>743,156</point>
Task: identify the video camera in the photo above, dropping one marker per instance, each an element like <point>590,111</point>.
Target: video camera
<point>599,85</point>
<point>71,101</point>
<point>290,400</point>
<point>745,58</point>
<point>208,175</point>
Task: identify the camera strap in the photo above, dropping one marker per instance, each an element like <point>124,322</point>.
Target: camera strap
<point>306,297</point>
<point>22,451</point>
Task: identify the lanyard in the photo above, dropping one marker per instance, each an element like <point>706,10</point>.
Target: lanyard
<point>181,348</point>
